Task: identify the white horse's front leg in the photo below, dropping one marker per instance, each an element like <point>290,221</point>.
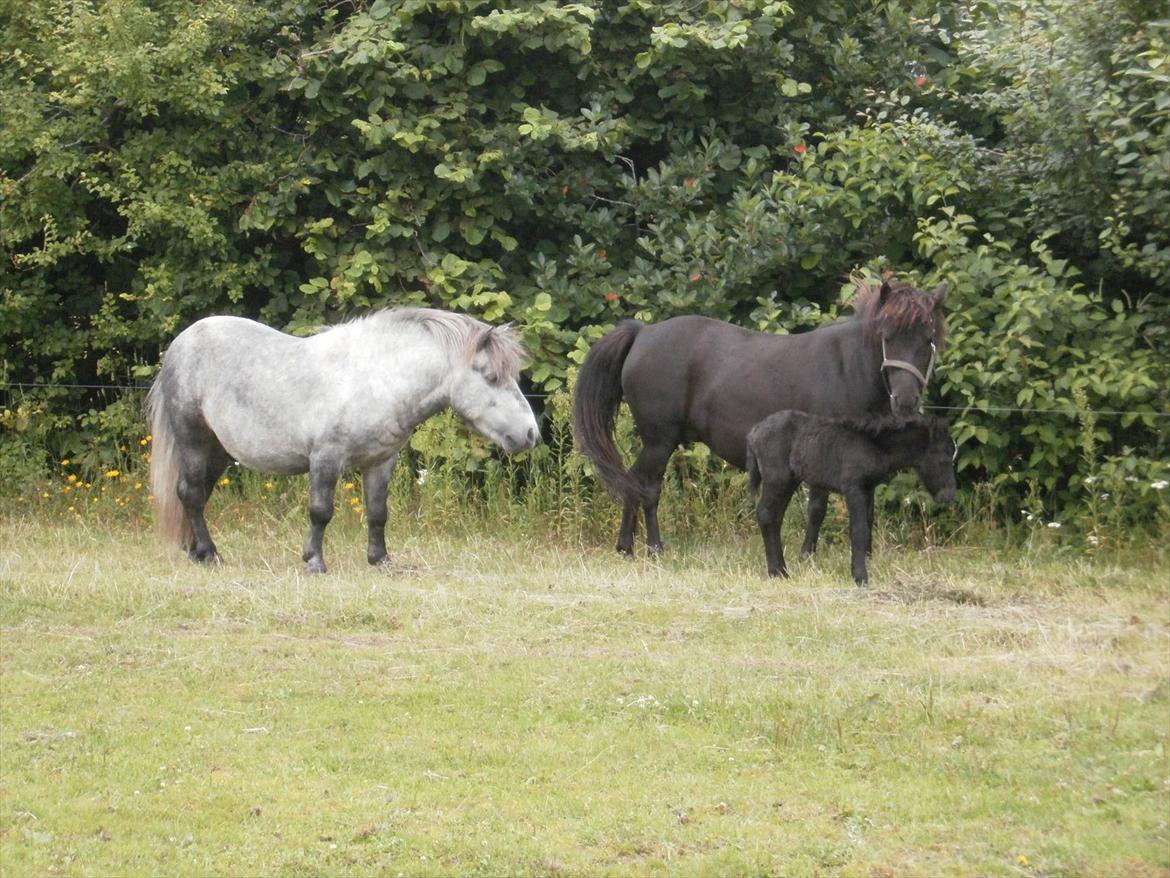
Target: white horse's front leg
<point>323,473</point>
<point>375,484</point>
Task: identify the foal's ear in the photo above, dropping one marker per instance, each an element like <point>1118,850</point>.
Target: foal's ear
<point>939,294</point>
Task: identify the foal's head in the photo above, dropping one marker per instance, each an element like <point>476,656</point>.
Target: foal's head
<point>907,327</point>
<point>936,466</point>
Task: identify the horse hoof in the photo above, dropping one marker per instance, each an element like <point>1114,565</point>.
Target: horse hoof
<point>315,565</point>
<point>625,550</point>
<point>382,560</point>
<point>207,559</point>
<point>780,573</point>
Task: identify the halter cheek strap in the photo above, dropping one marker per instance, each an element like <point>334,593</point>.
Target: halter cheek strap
<point>887,363</point>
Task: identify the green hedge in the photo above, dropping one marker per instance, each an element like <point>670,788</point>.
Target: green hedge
<point>567,165</point>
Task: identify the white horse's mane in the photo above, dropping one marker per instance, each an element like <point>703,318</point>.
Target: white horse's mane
<point>459,333</point>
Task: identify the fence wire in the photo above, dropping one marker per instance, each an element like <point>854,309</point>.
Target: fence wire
<point>993,409</point>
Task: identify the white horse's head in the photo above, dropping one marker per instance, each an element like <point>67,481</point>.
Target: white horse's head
<point>485,393</point>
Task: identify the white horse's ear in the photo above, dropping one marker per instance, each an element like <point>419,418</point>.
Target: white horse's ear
<point>501,330</point>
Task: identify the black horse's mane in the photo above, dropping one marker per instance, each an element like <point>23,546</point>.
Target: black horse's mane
<point>905,306</point>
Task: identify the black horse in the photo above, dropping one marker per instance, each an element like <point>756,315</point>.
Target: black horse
<point>851,457</point>
<point>694,379</point>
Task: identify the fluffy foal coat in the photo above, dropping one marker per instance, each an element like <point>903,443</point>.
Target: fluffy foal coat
<point>849,456</point>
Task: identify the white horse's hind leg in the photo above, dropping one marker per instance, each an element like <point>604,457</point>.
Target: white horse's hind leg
<point>323,475</point>
<point>375,482</point>
<point>199,470</point>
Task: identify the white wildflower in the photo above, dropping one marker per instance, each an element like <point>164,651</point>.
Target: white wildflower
<point>1160,485</point>
<point>422,476</point>
<point>1055,525</point>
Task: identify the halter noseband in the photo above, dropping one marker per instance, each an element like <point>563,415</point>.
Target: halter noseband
<point>887,363</point>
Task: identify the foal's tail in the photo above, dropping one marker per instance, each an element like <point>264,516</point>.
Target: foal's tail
<point>173,525</point>
<point>755,476</point>
<point>595,405</point>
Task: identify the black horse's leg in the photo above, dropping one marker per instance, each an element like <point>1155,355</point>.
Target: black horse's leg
<point>625,543</point>
<point>323,475</point>
<point>200,467</point>
<point>649,469</point>
<point>857,506</point>
<point>869,522</point>
<point>770,511</point>
<point>375,482</point>
<point>818,504</point>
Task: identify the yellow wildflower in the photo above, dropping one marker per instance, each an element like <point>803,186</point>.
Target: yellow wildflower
<point>112,474</point>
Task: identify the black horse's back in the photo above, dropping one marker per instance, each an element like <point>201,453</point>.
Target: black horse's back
<point>695,379</point>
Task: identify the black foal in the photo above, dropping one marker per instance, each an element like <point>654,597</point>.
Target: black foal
<point>851,457</point>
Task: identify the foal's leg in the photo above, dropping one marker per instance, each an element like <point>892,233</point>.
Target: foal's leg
<point>818,504</point>
<point>770,509</point>
<point>857,504</point>
<point>200,467</point>
<point>375,481</point>
<point>323,473</point>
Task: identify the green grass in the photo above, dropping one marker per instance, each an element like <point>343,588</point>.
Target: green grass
<point>500,705</point>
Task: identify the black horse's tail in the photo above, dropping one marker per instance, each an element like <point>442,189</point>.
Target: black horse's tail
<point>595,405</point>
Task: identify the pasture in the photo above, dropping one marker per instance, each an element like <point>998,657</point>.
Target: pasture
<point>539,705</point>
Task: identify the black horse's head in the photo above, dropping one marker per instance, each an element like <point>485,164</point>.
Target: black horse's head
<point>906,326</point>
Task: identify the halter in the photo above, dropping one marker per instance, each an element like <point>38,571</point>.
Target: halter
<point>887,363</point>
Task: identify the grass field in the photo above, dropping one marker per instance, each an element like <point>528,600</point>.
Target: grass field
<point>500,706</point>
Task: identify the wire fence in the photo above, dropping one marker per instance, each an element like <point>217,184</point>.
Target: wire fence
<point>982,409</point>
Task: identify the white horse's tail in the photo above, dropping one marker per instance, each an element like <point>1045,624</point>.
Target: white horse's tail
<point>173,525</point>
